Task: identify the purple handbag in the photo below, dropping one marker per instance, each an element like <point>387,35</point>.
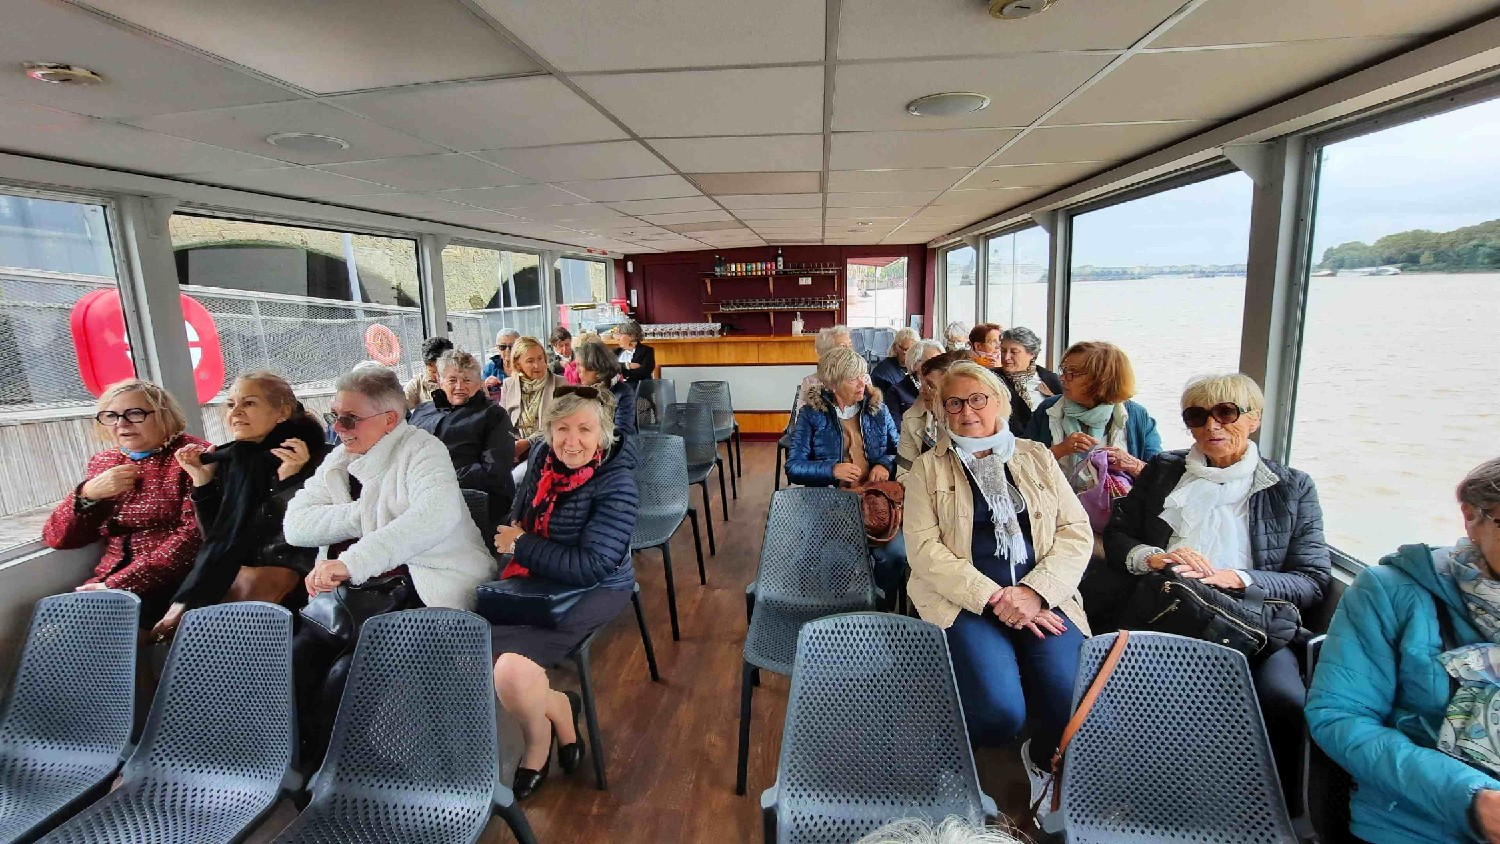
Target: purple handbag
<point>1098,496</point>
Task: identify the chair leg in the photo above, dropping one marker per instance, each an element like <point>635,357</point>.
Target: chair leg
<point>734,484</point>
<point>777,477</point>
<point>698,545</point>
<point>768,825</point>
<point>640,619</point>
<point>708,513</point>
<point>749,605</point>
<point>516,820</point>
<point>739,452</point>
<point>666,564</point>
<point>591,715</point>
<point>744,759</point>
<point>723,495</point>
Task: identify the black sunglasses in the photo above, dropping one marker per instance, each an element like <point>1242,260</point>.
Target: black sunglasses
<point>576,390</point>
<point>504,347</point>
<point>1224,413</point>
<point>347,421</point>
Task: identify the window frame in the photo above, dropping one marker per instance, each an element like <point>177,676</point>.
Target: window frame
<point>982,308</point>
<point>941,325</point>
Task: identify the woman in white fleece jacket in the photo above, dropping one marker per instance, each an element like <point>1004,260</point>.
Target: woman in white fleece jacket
<point>386,501</point>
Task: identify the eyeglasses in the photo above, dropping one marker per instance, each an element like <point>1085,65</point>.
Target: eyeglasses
<point>576,390</point>
<point>1068,374</point>
<point>504,347</point>
<point>955,405</point>
<point>1224,413</point>
<point>134,415</point>
<point>347,421</point>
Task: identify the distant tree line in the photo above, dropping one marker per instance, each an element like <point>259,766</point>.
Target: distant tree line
<point>1469,249</point>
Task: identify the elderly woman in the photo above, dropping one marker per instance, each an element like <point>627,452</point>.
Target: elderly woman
<point>478,433</point>
<point>827,339</point>
<point>1029,383</point>
<point>240,497</point>
<point>1221,514</point>
<point>598,367</point>
<point>922,422</point>
<point>572,521</point>
<point>1405,684</point>
<point>637,360</point>
<point>984,344</point>
<point>902,393</point>
<point>419,389</point>
<point>956,336</point>
<point>499,366</point>
<point>1095,410</point>
<point>998,543</point>
<point>562,343</point>
<point>387,516</point>
<point>892,368</point>
<point>527,393</point>
<point>135,498</point>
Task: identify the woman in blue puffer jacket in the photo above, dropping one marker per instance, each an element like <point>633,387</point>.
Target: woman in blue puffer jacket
<point>1406,680</point>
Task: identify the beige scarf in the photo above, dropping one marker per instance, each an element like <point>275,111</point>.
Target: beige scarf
<point>531,405</point>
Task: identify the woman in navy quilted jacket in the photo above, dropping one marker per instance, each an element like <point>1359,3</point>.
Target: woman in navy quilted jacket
<point>571,523</point>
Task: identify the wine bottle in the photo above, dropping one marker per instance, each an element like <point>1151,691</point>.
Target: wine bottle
<point>780,261</point>
<point>718,265</point>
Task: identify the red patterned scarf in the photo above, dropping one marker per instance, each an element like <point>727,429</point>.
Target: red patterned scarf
<point>556,481</point>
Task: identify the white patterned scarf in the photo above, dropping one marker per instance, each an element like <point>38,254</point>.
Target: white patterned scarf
<point>1204,513</point>
<point>1471,726</point>
<point>1005,501</point>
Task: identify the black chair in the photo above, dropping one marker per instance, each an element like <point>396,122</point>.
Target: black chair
<point>217,749</point>
<point>695,424</point>
<point>1326,787</point>
<point>65,729</point>
<point>661,475</point>
<point>414,755</point>
<point>478,502</point>
<point>652,397</point>
<point>726,427</point>
<point>784,444</point>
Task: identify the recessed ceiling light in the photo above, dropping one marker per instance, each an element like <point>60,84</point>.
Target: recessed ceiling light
<point>947,105</point>
<point>864,223</point>
<point>307,142</point>
<point>1014,10</point>
<point>61,74</point>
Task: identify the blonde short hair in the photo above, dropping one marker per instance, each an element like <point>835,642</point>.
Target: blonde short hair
<point>1236,387</point>
<point>460,360</point>
<point>570,403</point>
<point>828,338</point>
<point>839,365</point>
<point>522,346</point>
<point>991,382</point>
<point>157,399</point>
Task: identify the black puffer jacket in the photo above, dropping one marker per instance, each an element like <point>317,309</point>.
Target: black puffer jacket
<point>480,440</point>
<point>1286,528</point>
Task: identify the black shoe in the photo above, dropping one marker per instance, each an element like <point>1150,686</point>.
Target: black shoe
<point>527,781</point>
<point>569,756</point>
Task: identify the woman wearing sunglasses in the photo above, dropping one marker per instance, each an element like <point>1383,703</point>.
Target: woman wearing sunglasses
<point>134,498</point>
<point>998,542</point>
<point>1221,514</point>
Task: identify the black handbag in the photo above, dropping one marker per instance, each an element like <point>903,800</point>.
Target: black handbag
<point>1252,624</point>
<point>341,612</point>
<point>532,601</point>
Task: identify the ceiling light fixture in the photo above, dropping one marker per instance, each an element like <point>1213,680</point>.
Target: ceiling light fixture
<point>948,104</point>
<point>61,74</point>
<point>1014,10</point>
<point>307,142</point>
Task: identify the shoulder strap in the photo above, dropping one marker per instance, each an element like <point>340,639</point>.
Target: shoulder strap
<point>1082,713</point>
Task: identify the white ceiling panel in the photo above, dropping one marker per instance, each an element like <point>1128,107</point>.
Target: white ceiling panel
<point>780,214</point>
<point>89,141</point>
<point>291,181</point>
<point>18,113</point>
<point>881,199</point>
<point>577,35</point>
<point>771,200</point>
<point>688,217</point>
<point>1053,144</point>
<point>245,128</point>
<point>878,29</point>
<point>475,218</point>
<point>665,206</point>
<point>767,153</point>
<point>1224,83</point>
<point>517,196</point>
<point>748,101</point>
<point>141,75</point>
<point>534,111</point>
<point>1237,22</point>
<point>872,150</point>
<point>706,226</point>
<point>1035,175</point>
<point>867,181</point>
<point>1021,88</point>
<point>645,187</point>
<point>897,212</point>
<point>401,203</point>
<point>327,46</point>
<point>587,212</point>
<point>542,231</point>
<point>766,183</point>
<point>430,172</point>
<point>576,162</point>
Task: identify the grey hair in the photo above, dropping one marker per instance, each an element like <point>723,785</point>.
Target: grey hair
<point>1026,337</point>
<point>956,335</point>
<point>461,360</point>
<point>596,357</point>
<point>908,334</point>
<point>828,338</point>
<point>567,405</point>
<point>1481,487</point>
<point>839,365</point>
<point>504,333</point>
<point>952,830</point>
<point>377,383</point>
<point>632,329</point>
<point>914,354</point>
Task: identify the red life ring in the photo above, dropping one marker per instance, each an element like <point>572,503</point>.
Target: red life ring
<point>382,344</point>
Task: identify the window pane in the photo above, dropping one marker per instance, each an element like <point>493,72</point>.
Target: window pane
<point>958,269</point>
<point>877,292</point>
<point>581,282</point>
<point>52,255</point>
<point>1163,277</point>
<point>1016,280</point>
<point>307,304</point>
<point>1396,396</point>
<point>488,290</point>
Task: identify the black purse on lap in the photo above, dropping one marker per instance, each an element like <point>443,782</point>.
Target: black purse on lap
<point>340,613</point>
<point>532,601</point>
<point>1254,625</point>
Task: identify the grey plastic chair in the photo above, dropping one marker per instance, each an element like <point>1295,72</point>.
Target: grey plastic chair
<point>1326,787</point>
<point>65,729</point>
<point>695,424</point>
<point>217,748</point>
<point>909,756</point>
<point>661,475</point>
<point>1203,774</point>
<point>814,562</point>
<point>414,755</point>
<point>861,339</point>
<point>652,397</point>
<point>784,444</point>
<point>880,340</point>
<point>726,428</point>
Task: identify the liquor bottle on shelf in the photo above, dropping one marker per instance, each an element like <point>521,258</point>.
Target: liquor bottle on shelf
<point>797,324</point>
<point>718,265</point>
<point>780,263</point>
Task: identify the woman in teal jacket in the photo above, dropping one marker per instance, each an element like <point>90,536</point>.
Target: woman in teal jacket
<point>1382,704</point>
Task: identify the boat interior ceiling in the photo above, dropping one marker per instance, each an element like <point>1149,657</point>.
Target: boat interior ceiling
<point>674,124</point>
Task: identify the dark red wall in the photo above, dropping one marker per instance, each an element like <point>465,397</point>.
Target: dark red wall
<point>670,284</point>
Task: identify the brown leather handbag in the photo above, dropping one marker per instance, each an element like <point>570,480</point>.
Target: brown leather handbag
<point>881,503</point>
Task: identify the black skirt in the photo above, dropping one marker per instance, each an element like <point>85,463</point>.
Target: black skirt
<point>548,647</point>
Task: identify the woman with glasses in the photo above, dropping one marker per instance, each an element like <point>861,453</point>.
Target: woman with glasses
<point>1221,514</point>
<point>597,366</point>
<point>1406,682</point>
<point>134,498</point>
<point>499,366</point>
<point>477,432</point>
<point>1095,411</point>
<point>998,542</point>
<point>984,344</point>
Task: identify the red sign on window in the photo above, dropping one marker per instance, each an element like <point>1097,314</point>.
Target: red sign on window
<point>103,348</point>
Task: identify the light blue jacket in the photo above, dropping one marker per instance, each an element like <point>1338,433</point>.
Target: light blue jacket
<point>1379,696</point>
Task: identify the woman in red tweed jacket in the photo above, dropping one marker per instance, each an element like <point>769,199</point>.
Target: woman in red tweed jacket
<point>135,498</point>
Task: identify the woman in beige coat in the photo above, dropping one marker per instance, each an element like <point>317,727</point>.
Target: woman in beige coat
<point>527,394</point>
<point>997,544</point>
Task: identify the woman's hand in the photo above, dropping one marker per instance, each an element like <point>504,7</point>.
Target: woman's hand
<point>112,482</point>
<point>90,587</point>
<point>1123,461</point>
<point>522,446</point>
<point>847,473</point>
<point>505,538</point>
<point>294,455</point>
<point>1016,606</point>
<point>1220,579</point>
<point>168,624</point>
<point>491,382</point>
<point>1487,814</point>
<point>878,473</point>
<point>1074,444</point>
<point>326,576</point>
<point>190,458</point>
<point>632,365</point>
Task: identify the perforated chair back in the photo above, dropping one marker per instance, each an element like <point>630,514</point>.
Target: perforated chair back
<point>861,338</point>
<point>661,475</point>
<point>478,504</point>
<point>414,754</point>
<point>715,394</point>
<point>876,693</point>
<point>1326,786</point>
<point>1204,774</point>
<point>880,342</point>
<point>814,562</point>
<point>218,742</point>
<point>71,708</point>
<point>652,395</point>
<point>694,423</point>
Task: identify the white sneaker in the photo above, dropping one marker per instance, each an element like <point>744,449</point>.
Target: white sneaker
<point>1041,783</point>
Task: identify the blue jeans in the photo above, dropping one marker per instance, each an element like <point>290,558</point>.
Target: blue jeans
<point>1004,675</point>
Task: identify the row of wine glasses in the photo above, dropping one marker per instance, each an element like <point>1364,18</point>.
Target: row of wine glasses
<point>681,330</point>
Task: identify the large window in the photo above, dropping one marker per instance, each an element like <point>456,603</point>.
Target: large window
<point>1397,389</point>
<point>877,292</point>
<point>53,254</point>
<point>583,287</point>
<point>960,296</point>
<point>487,290</point>
<point>1163,277</point>
<point>1016,279</point>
